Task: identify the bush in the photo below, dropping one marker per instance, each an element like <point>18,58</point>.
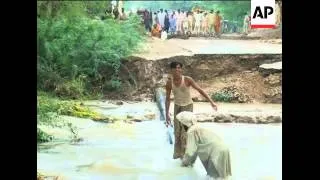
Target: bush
<point>73,46</point>
<point>112,85</point>
<point>43,137</point>
<point>49,109</point>
<point>74,89</point>
<point>222,97</point>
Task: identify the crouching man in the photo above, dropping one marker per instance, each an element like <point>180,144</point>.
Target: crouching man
<point>210,148</point>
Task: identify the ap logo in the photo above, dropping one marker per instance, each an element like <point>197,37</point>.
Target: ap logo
<point>263,14</point>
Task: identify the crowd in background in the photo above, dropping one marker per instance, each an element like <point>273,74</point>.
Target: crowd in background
<point>197,22</point>
<point>181,22</point>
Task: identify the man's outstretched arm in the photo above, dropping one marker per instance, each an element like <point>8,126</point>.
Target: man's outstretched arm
<point>197,87</point>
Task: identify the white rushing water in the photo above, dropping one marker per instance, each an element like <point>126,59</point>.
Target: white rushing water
<point>141,151</point>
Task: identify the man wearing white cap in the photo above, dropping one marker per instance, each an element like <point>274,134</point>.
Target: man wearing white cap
<point>212,151</point>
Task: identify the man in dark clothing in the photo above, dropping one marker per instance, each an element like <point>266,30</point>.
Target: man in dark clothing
<point>166,21</point>
<point>146,20</point>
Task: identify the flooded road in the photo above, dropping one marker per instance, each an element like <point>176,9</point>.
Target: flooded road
<point>141,151</point>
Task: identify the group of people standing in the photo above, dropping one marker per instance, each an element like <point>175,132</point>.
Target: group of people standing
<point>181,22</point>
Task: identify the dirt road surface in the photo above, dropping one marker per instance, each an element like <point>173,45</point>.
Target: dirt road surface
<point>156,49</point>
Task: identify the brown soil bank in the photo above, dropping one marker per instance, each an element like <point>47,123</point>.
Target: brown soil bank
<point>249,77</point>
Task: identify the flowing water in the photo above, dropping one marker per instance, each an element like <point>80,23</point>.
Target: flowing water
<point>141,151</point>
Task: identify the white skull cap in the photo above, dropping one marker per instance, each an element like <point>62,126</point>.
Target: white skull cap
<point>187,118</point>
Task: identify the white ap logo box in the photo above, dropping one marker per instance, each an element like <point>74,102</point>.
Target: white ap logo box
<point>263,14</point>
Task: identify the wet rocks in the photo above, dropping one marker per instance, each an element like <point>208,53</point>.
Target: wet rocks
<point>267,69</point>
<point>136,120</point>
<point>119,103</point>
<point>203,117</point>
<point>243,119</point>
<point>276,119</point>
<point>127,118</point>
<point>223,118</point>
<point>235,118</point>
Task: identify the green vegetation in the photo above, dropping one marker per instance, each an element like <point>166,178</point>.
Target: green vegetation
<point>79,52</point>
<point>222,97</point>
<point>43,137</point>
<point>49,110</point>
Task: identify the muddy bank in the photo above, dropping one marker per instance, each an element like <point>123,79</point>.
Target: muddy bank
<point>253,77</point>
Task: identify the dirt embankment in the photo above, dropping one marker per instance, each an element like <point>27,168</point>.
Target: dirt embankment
<point>251,70</point>
<point>250,77</point>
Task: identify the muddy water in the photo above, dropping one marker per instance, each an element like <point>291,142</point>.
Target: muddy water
<point>141,150</point>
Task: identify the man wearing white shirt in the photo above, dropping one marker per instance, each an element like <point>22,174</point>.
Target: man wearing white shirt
<point>161,16</point>
<point>179,22</point>
<point>198,19</point>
